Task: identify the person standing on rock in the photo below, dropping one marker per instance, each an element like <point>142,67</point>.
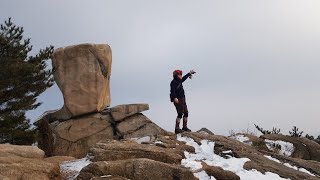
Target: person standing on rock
<point>177,96</point>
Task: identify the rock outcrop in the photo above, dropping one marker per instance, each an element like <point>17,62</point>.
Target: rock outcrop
<point>136,169</point>
<point>82,73</point>
<point>218,173</point>
<point>26,162</point>
<point>121,150</point>
<point>75,137</point>
<point>121,143</point>
<point>120,112</point>
<point>110,158</point>
<point>304,148</point>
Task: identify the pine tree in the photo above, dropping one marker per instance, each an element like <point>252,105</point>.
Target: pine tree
<point>274,130</point>
<point>295,132</point>
<point>22,79</point>
<point>309,137</point>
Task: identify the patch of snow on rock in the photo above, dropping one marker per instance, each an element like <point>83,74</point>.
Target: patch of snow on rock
<point>205,153</point>
<point>203,176</point>
<point>141,140</point>
<point>226,152</point>
<point>286,148</point>
<point>272,159</point>
<point>298,169</point>
<point>73,168</point>
<point>242,138</point>
<point>290,166</point>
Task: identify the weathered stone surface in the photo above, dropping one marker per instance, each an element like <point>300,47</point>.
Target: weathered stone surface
<point>311,166</point>
<point>16,168</point>
<point>120,112</point>
<point>82,73</point>
<point>27,163</point>
<point>76,136</point>
<point>147,129</point>
<point>120,150</point>
<point>80,148</point>
<point>304,148</point>
<point>218,173</point>
<point>76,129</point>
<point>21,151</point>
<point>57,160</point>
<point>205,131</point>
<point>109,177</point>
<point>136,169</point>
<point>257,159</point>
<point>138,125</point>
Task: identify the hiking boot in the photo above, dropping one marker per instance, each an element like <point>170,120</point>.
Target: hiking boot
<point>186,129</point>
<point>178,130</point>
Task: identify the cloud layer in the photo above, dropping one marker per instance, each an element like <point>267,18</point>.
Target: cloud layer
<point>257,61</point>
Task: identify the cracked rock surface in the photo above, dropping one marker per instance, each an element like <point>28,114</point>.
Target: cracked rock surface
<point>75,137</point>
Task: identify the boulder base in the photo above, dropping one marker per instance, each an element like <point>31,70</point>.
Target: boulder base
<point>75,137</point>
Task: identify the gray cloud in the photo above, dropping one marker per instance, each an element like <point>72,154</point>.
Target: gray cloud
<point>257,61</point>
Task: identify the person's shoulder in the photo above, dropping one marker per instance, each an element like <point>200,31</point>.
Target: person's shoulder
<point>174,82</point>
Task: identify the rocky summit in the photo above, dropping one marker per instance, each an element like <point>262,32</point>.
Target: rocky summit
<point>190,155</point>
<point>199,156</point>
<point>89,140</point>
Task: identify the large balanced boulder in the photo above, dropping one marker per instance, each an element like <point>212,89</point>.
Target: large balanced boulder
<point>27,163</point>
<point>82,73</point>
<point>136,169</point>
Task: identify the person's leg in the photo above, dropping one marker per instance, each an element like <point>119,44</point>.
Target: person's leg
<point>178,120</point>
<point>179,109</point>
<point>185,117</point>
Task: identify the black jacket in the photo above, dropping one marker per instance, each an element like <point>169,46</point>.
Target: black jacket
<point>176,87</point>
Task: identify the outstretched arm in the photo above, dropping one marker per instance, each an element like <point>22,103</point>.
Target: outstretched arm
<point>185,77</point>
<point>188,75</point>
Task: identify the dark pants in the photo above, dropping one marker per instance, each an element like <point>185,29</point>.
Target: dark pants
<point>182,108</point>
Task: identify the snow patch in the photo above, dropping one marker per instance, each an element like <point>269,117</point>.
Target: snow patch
<point>298,169</point>
<point>73,168</point>
<point>226,152</point>
<point>141,140</point>
<point>286,148</point>
<point>272,159</point>
<point>205,153</point>
<point>158,142</point>
<point>290,166</point>
<point>242,138</point>
<point>202,175</point>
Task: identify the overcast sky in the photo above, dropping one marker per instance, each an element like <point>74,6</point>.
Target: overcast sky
<point>256,61</point>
